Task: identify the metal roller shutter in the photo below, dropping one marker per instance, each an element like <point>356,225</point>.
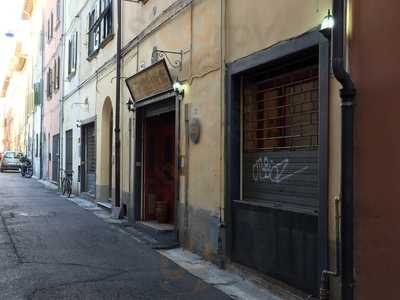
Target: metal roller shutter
<point>280,140</point>
<point>56,158</point>
<point>276,219</point>
<point>91,159</point>
<point>68,151</point>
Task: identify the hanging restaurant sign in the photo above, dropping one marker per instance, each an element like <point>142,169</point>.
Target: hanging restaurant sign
<point>149,82</point>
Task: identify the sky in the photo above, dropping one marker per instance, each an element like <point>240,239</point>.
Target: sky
<point>10,21</point>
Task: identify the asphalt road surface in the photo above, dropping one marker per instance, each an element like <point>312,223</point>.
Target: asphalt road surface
<point>51,248</point>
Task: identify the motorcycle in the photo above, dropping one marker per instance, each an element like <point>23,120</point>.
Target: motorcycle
<point>26,167</point>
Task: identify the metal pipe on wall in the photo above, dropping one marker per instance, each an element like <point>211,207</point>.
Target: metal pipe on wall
<point>347,94</point>
<point>117,111</point>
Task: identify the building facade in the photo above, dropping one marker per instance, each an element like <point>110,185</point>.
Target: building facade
<point>238,165</point>
<point>35,14</point>
<point>52,70</point>
<point>373,58</point>
<point>219,123</point>
<point>89,90</point>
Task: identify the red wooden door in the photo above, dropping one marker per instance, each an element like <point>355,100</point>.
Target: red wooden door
<point>159,177</point>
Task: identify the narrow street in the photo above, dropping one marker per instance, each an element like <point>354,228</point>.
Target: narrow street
<point>51,248</point>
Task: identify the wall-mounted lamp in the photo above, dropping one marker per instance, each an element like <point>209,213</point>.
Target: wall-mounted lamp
<point>78,124</point>
<point>327,24</point>
<point>179,88</point>
<point>130,105</point>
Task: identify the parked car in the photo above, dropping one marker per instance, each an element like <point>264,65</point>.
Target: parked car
<point>10,161</point>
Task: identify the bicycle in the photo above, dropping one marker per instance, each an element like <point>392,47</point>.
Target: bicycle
<point>67,183</point>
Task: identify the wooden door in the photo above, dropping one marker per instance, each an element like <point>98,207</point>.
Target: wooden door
<point>159,175</point>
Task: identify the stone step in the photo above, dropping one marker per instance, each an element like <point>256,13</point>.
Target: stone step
<point>164,234</point>
<point>105,205</point>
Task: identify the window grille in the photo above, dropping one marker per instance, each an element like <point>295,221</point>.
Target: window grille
<point>281,112</point>
<point>280,135</point>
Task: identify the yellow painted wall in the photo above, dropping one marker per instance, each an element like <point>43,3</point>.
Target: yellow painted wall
<point>211,37</point>
<point>258,24</point>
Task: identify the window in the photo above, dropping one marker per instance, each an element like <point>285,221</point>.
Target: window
<point>51,24</point>
<point>100,25</point>
<point>37,145</point>
<point>281,112</point>
<point>57,74</point>
<point>58,12</point>
<point>37,93</point>
<point>48,30</point>
<point>72,54</point>
<point>280,133</point>
<point>58,71</point>
<point>10,155</point>
<point>49,83</point>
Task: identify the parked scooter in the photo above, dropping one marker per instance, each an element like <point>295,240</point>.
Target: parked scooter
<point>26,167</point>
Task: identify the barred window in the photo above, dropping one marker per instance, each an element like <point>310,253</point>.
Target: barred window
<point>280,131</point>
<point>281,112</point>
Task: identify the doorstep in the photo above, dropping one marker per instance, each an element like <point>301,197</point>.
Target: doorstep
<point>156,227</point>
<point>107,205</point>
<point>164,235</point>
<point>88,196</point>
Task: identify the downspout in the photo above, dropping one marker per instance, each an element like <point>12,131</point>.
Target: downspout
<point>41,91</point>
<point>344,206</point>
<point>221,226</point>
<point>61,92</point>
<point>117,111</point>
<point>347,94</point>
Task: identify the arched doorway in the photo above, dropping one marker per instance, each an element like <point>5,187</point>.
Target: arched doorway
<point>107,125</point>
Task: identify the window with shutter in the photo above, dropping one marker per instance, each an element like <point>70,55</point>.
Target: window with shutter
<point>72,54</point>
<point>58,72</point>
<point>58,12</point>
<point>48,30</point>
<point>51,25</point>
<point>55,75</point>
<point>100,26</point>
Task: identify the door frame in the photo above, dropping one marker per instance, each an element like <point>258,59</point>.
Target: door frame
<point>138,156</point>
<point>233,130</point>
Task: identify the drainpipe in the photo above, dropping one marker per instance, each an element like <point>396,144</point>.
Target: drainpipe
<point>117,111</point>
<point>41,100</point>
<point>347,94</point>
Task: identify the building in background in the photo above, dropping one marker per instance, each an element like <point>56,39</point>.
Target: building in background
<point>89,89</point>
<point>33,13</point>
<point>15,98</point>
<point>21,91</point>
<point>52,71</point>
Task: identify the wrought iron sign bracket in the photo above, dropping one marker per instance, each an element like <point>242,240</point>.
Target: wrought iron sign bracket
<point>174,63</point>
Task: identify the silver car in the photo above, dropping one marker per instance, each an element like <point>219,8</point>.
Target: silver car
<point>10,161</point>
